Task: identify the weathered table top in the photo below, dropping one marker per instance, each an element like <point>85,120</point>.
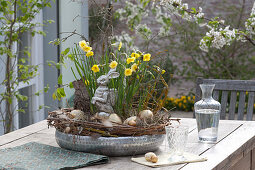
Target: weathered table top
<point>236,140</point>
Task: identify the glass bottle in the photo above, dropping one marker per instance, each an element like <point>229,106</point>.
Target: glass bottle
<point>207,112</point>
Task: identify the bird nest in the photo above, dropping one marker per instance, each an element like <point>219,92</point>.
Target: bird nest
<point>61,121</point>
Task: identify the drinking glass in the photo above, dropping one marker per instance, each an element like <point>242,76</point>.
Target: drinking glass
<point>177,137</point>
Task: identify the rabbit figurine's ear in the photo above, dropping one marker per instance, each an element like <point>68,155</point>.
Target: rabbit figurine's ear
<point>114,75</point>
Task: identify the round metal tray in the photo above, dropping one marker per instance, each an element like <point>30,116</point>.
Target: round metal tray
<point>110,146</point>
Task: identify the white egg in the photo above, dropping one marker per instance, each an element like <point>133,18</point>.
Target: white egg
<point>78,115</point>
<point>146,114</point>
<point>151,157</point>
<point>115,118</point>
<point>131,121</point>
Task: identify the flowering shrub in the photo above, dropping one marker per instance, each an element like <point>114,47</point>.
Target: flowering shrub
<point>186,103</point>
<point>230,62</point>
<point>136,85</point>
<point>183,103</point>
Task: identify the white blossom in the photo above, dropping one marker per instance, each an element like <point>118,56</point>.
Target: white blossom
<point>143,30</point>
<point>126,40</point>
<point>203,46</point>
<point>250,23</point>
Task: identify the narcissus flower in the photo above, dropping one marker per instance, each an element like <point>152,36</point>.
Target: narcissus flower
<point>134,67</point>
<point>147,57</point>
<point>136,55</point>
<point>90,53</point>
<point>128,72</point>
<point>113,64</point>
<point>163,71</point>
<point>120,45</point>
<point>129,60</point>
<point>87,48</point>
<point>82,44</point>
<point>95,68</point>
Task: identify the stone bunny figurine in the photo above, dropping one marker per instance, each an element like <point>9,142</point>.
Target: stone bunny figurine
<point>104,98</point>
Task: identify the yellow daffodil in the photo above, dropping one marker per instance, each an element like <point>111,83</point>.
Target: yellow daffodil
<point>120,45</point>
<point>82,44</point>
<point>87,48</point>
<point>113,64</point>
<point>129,60</point>
<point>86,82</point>
<point>90,53</point>
<point>95,68</point>
<point>189,98</point>
<point>128,72</point>
<point>147,57</point>
<point>136,55</point>
<point>163,71</point>
<point>134,67</point>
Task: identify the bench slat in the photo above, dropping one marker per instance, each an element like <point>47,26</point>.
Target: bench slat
<point>224,101</point>
<point>250,106</point>
<point>232,106</point>
<point>216,95</point>
<point>241,106</point>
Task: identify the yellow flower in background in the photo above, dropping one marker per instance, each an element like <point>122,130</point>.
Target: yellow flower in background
<point>184,101</point>
<point>129,60</point>
<point>180,104</point>
<point>90,53</point>
<point>128,72</point>
<point>171,99</point>
<point>82,44</point>
<point>95,68</point>
<point>147,57</point>
<point>87,48</point>
<point>120,45</point>
<point>163,71</point>
<point>113,64</point>
<point>136,55</point>
<point>86,82</point>
<point>193,97</point>
<point>134,67</point>
<point>189,98</point>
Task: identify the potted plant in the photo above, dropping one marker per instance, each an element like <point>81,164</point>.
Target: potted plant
<point>118,98</point>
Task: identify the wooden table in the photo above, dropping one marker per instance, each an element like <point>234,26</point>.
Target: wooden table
<point>234,149</point>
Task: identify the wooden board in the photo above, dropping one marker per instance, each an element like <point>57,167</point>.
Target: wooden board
<point>230,150</point>
<point>236,140</point>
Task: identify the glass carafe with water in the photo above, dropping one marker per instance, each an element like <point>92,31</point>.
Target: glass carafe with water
<point>207,111</point>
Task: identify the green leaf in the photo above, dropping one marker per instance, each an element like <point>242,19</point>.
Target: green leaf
<point>61,92</point>
<point>46,88</point>
<point>37,93</point>
<point>65,52</point>
<point>71,85</point>
<point>60,79</point>
<point>54,96</point>
<point>4,4</point>
<point>21,110</point>
<point>193,10</point>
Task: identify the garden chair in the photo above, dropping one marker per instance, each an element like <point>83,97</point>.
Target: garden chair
<point>235,96</point>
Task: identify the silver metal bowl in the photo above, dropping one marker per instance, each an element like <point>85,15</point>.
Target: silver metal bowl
<point>110,146</point>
